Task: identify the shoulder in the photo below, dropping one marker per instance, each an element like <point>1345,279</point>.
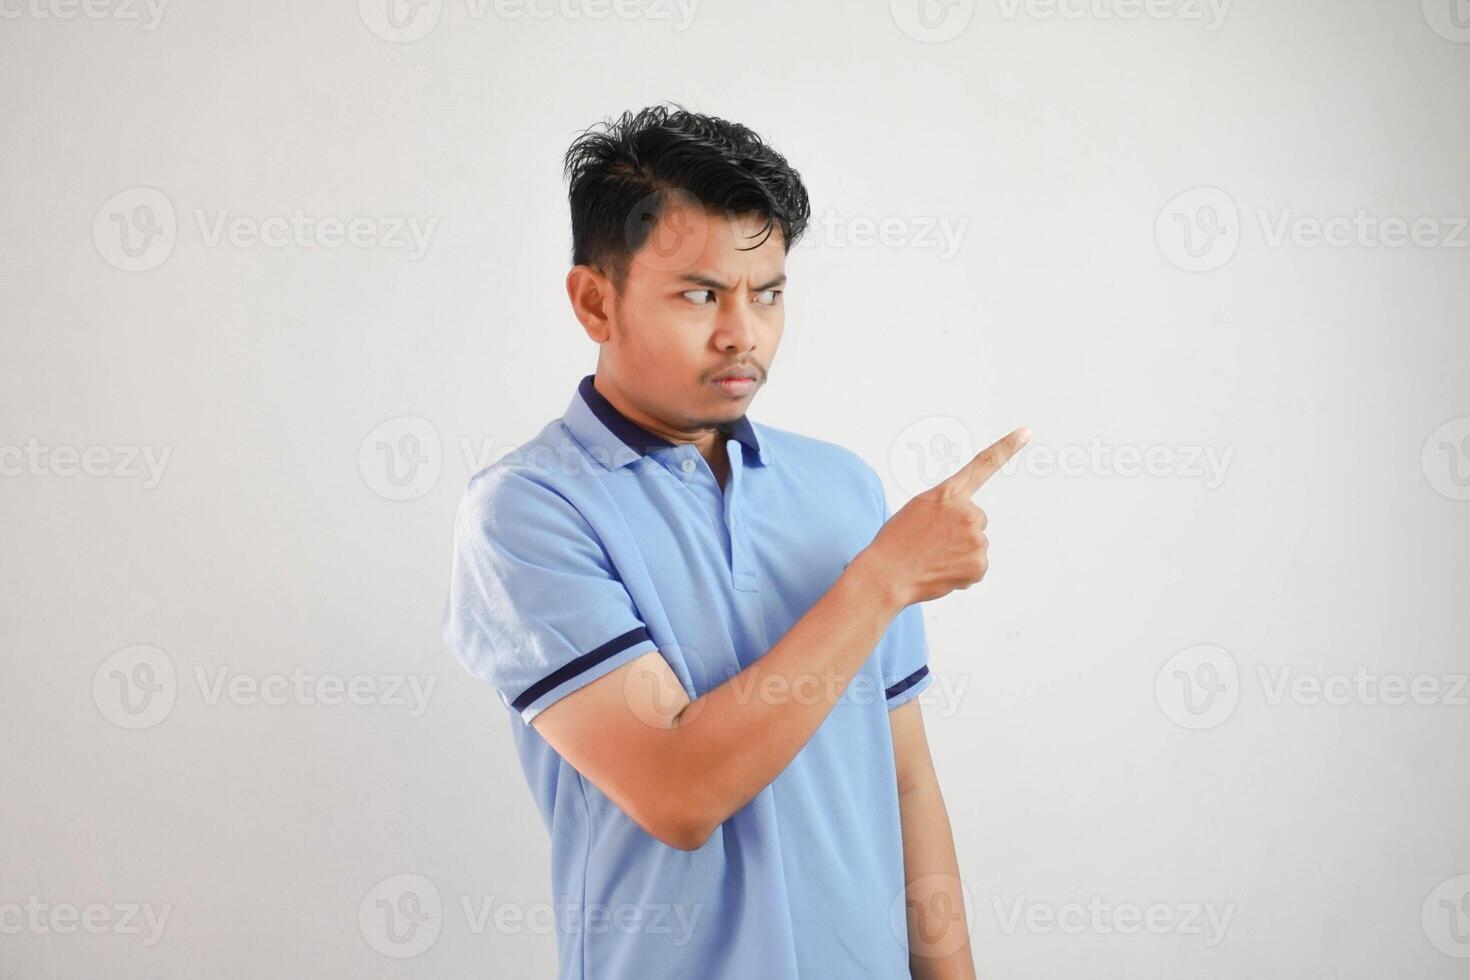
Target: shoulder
<point>529,486</point>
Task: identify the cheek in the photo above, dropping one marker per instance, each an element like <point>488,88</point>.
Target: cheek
<point>648,330</point>
<point>773,336</point>
<point>672,342</point>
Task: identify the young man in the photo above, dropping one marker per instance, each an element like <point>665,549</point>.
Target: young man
<point>705,629</point>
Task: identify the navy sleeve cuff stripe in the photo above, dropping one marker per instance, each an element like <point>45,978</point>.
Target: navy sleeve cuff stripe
<point>907,682</point>
<point>586,661</point>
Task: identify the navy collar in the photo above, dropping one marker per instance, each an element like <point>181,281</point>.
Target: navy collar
<point>617,434</point>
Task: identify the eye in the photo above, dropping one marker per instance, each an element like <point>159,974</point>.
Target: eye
<point>773,293</point>
<point>699,292</point>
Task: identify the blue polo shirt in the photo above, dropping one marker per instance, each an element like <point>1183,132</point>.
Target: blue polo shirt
<point>598,541</point>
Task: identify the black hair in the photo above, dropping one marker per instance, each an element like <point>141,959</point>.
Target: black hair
<point>620,179</point>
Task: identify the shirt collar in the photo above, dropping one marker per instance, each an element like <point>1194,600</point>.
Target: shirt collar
<point>615,440</point>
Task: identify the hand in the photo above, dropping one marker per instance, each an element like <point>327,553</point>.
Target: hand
<point>936,543</point>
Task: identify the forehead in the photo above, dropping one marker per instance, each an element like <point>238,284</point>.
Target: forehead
<point>692,239</point>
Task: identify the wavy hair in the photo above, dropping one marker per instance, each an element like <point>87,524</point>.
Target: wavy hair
<point>621,174</point>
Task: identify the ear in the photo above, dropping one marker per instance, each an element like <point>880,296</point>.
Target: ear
<point>591,294</point>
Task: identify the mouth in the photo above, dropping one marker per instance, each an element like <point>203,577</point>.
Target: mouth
<point>736,386</point>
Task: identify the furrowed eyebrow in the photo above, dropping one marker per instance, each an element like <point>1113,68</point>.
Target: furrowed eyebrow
<point>710,283</point>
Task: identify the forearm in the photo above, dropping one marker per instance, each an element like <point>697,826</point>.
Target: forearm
<point>732,741</point>
<point>939,938</point>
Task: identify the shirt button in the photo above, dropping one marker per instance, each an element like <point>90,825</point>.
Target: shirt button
<point>687,466</point>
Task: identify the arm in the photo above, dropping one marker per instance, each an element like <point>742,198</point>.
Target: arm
<point>714,754</point>
<point>680,768</point>
<point>939,943</point>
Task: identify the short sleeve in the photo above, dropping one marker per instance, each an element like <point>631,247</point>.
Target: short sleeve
<point>535,607</point>
<point>903,652</point>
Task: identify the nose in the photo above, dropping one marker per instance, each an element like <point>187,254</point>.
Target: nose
<point>737,331</point>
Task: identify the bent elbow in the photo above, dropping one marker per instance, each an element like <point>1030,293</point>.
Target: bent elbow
<point>680,829</point>
<point>688,837</point>
<point>684,840</point>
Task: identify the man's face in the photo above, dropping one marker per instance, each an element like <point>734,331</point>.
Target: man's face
<point>698,301</point>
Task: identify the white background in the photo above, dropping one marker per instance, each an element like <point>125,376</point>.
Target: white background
<point>1335,540</point>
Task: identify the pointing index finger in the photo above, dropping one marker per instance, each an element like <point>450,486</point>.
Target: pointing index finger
<point>969,478</point>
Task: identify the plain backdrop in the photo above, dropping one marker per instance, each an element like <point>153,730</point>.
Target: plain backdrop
<point>1185,689</point>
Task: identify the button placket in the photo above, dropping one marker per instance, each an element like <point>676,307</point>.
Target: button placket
<point>710,500</point>
<point>740,561</point>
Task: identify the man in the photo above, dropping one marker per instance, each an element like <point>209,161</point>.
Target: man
<point>706,629</point>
